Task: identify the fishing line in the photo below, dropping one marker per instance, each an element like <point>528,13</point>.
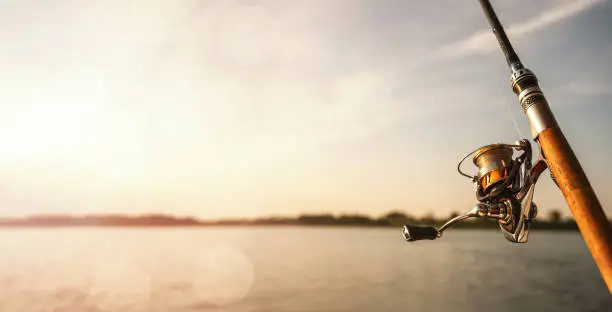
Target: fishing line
<point>510,105</point>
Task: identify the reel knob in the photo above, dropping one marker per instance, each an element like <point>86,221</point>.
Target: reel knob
<point>413,233</point>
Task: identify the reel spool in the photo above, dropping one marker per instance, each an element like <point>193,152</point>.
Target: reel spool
<point>497,172</point>
<point>494,163</point>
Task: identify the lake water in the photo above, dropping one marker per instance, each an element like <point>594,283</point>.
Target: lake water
<point>293,269</point>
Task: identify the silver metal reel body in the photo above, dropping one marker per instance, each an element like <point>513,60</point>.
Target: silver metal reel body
<point>504,190</point>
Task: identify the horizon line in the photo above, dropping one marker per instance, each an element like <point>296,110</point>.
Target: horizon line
<point>428,216</point>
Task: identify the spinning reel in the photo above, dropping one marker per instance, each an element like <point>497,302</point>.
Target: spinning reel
<point>504,190</point>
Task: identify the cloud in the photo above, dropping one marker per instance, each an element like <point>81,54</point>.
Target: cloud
<point>593,88</point>
<point>484,42</point>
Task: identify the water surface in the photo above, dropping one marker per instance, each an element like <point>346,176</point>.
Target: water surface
<point>293,269</point>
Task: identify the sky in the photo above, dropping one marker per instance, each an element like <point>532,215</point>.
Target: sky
<point>226,109</point>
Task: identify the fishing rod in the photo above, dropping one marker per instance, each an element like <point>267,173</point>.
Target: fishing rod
<point>505,185</point>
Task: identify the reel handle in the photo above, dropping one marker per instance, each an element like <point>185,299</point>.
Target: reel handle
<point>414,233</point>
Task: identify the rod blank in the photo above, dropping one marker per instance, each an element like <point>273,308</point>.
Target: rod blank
<point>511,57</point>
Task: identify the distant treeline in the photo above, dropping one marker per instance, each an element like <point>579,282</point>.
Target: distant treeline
<point>554,221</point>
<point>101,220</point>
